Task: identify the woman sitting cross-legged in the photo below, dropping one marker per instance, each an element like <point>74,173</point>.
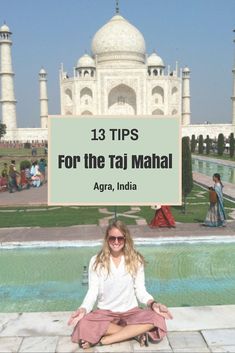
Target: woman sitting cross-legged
<point>116,282</point>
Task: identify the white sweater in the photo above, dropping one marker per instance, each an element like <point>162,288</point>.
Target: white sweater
<point>117,291</point>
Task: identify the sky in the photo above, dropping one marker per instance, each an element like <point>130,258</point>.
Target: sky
<point>197,33</point>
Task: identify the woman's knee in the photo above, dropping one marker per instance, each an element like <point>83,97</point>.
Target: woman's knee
<point>150,327</point>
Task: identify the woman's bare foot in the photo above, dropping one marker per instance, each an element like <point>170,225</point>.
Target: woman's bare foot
<point>84,345</point>
<point>142,339</point>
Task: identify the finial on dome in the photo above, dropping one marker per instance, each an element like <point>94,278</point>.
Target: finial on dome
<point>117,6</point>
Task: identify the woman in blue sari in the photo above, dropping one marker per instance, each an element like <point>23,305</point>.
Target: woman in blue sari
<point>216,216</point>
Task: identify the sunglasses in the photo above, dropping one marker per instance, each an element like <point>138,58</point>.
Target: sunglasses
<point>120,240</point>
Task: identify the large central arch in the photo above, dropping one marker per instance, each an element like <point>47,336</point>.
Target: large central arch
<point>122,100</point>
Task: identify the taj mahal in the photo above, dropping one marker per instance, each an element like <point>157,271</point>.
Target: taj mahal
<point>118,78</point>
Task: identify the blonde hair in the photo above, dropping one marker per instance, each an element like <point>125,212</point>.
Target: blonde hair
<point>133,259</point>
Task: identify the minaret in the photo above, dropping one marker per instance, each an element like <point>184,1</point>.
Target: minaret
<point>7,80</point>
<point>43,98</point>
<point>233,97</point>
<point>186,114</point>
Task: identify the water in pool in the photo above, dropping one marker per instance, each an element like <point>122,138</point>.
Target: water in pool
<point>176,274</point>
<point>209,168</point>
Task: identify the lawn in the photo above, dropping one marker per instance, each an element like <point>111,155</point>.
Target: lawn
<point>19,152</point>
<point>48,216</point>
<point>196,209</point>
<point>7,154</point>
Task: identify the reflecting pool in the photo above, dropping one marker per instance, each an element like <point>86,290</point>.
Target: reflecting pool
<point>50,279</point>
<point>209,168</point>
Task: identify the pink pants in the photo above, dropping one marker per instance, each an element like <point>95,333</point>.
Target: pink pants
<point>95,324</point>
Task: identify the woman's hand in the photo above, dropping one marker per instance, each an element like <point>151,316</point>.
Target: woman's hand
<point>162,310</point>
<point>77,316</point>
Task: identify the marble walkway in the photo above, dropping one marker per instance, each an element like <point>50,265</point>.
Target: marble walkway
<point>194,329</point>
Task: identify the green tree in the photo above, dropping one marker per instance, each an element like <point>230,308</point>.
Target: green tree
<point>193,143</point>
<point>187,175</point>
<point>220,145</point>
<point>3,129</point>
<point>208,144</point>
<point>200,145</point>
<point>232,145</point>
<point>25,164</point>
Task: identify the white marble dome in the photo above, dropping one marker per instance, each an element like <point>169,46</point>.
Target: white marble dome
<point>4,28</point>
<point>118,40</point>
<point>86,61</point>
<point>155,60</point>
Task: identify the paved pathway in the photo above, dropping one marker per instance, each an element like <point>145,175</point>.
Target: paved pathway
<point>94,232</point>
<point>31,197</point>
<point>194,329</point>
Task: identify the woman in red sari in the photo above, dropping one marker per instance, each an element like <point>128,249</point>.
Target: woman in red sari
<point>163,217</point>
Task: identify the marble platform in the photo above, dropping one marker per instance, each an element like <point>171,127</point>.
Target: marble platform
<point>194,329</point>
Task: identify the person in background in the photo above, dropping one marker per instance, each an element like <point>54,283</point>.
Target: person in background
<point>216,215</point>
<point>42,169</point>
<point>45,150</point>
<point>117,280</point>
<point>4,178</point>
<point>34,151</point>
<point>35,174</point>
<point>163,217</point>
<point>14,178</point>
<point>25,177</point>
<point>227,146</point>
<point>28,176</point>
